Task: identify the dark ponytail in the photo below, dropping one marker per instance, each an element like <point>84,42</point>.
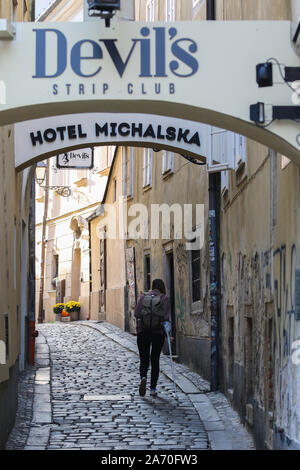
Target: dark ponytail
<point>158,284</point>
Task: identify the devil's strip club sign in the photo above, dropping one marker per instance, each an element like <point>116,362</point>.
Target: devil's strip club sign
<point>194,71</point>
<point>51,136</point>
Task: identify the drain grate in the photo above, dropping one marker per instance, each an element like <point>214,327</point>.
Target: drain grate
<point>107,397</point>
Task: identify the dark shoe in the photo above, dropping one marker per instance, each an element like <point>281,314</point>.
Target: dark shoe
<point>153,392</point>
<point>142,388</point>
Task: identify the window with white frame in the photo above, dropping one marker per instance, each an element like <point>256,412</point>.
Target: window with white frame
<point>128,169</point>
<point>151,10</point>
<point>170,10</point>
<point>167,162</point>
<point>226,147</point>
<point>147,167</point>
<point>224,181</point>
<point>239,149</point>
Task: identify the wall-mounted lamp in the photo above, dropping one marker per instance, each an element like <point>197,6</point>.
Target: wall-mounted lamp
<point>40,173</point>
<point>103,9</point>
<point>40,177</point>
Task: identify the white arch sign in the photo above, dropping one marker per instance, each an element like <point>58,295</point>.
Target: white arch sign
<point>41,138</point>
<point>195,71</point>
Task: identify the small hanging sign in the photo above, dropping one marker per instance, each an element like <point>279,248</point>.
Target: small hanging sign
<point>81,159</point>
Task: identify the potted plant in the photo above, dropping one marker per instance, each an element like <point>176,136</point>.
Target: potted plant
<point>65,316</point>
<point>57,309</point>
<point>73,308</point>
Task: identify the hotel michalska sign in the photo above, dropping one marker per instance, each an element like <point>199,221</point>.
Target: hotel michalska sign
<point>189,72</point>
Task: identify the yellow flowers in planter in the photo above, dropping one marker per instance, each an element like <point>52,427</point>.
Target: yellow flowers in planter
<point>73,306</point>
<point>58,308</point>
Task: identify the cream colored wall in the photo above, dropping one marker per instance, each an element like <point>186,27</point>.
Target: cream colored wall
<point>10,239</point>
<point>187,185</point>
<point>10,268</point>
<point>115,256</point>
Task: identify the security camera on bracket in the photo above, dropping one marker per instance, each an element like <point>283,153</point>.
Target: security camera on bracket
<point>104,9</point>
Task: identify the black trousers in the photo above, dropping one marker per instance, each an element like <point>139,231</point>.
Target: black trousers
<point>145,342</point>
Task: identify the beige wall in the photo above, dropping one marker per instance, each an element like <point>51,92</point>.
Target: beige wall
<point>115,266</point>
<point>10,239</point>
<point>9,249</point>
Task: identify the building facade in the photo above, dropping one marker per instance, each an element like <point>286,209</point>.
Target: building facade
<point>17,254</point>
<point>258,252</point>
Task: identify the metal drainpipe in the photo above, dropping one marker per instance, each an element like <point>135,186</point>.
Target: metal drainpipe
<point>214,219</point>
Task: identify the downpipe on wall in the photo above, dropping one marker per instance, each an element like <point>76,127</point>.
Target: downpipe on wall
<point>214,222</point>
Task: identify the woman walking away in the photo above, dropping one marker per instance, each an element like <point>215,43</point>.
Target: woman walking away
<point>152,311</point>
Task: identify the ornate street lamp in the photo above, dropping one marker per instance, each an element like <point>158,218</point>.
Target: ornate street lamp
<point>40,176</point>
<point>103,9</point>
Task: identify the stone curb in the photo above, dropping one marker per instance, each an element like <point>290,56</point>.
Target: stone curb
<point>208,414</point>
<point>42,413</point>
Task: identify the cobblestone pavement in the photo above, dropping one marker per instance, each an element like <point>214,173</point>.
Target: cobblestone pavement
<point>85,397</point>
<point>18,436</point>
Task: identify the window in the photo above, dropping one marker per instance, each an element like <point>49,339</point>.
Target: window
<point>167,162</point>
<point>239,149</point>
<point>147,168</point>
<point>224,181</point>
<point>55,264</point>
<point>147,271</point>
<point>150,10</point>
<point>127,173</point>
<point>195,265</point>
<point>170,10</point>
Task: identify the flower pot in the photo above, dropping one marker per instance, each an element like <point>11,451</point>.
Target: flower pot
<point>65,319</point>
<point>75,316</point>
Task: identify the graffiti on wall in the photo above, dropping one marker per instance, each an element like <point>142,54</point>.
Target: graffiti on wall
<point>284,286</point>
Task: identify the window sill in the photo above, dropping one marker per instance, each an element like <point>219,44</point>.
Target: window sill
<point>166,174</point>
<point>104,171</point>
<point>240,173</point>
<point>147,188</point>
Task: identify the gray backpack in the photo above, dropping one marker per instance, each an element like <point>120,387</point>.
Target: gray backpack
<point>152,312</point>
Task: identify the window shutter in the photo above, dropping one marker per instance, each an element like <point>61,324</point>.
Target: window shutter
<point>150,167</point>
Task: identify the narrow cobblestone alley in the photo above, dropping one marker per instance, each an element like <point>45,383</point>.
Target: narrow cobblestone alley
<point>85,397</point>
